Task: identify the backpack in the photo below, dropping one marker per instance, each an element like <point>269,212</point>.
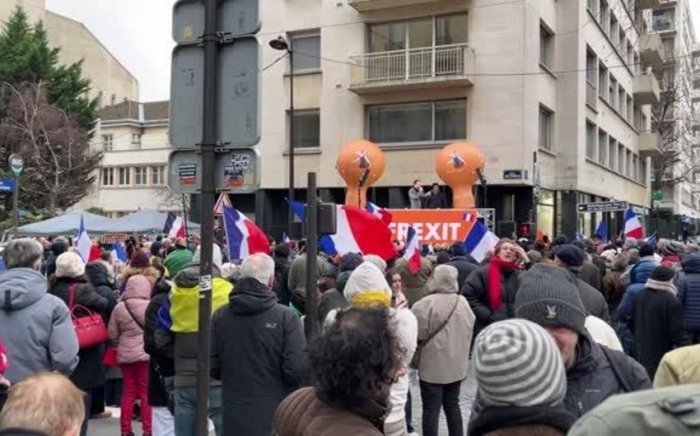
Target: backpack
<point>667,411</point>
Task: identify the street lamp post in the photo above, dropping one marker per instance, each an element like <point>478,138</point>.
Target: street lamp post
<point>281,44</point>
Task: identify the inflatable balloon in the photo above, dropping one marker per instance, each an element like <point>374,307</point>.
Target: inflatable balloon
<point>360,163</point>
<point>457,165</point>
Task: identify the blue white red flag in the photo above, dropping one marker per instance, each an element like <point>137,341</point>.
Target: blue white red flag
<point>480,241</point>
<point>633,227</point>
<point>243,237</point>
<point>413,250</point>
<point>379,212</point>
<point>83,244</point>
<point>358,231</point>
<point>174,226</point>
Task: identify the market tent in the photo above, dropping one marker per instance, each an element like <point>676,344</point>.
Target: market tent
<point>67,224</point>
<point>144,221</point>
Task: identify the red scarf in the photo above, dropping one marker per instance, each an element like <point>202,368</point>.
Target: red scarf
<point>495,266</point>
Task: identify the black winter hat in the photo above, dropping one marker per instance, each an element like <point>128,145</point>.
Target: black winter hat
<point>646,250</point>
<point>662,274</point>
<point>570,255</point>
<point>457,249</point>
<point>349,262</point>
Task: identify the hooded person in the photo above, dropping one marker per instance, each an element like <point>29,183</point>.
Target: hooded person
<point>445,328</point>
<point>334,299</point>
<point>549,296</point>
<point>367,287</point>
<point>522,381</point>
<point>657,320</point>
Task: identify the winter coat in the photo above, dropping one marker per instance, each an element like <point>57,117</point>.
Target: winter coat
<point>281,286</point>
<point>613,288</point>
<point>303,413</point>
<point>689,292</point>
<point>333,298</point>
<point>99,278</point>
<point>434,201</point>
<point>415,198</point>
<point>522,421</point>
<point>602,333</point>
<point>258,354</point>
<point>57,248</point>
<point>297,273</point>
<point>476,290</point>
<point>405,326</point>
<point>657,325</point>
<point>638,275</point>
<point>465,265</point>
<point>592,299</point>
<point>90,372</point>
<point>414,284</point>
<point>126,327</point>
<point>679,367</point>
<point>161,363</point>
<point>598,374</point>
<point>42,337</point>
<point>444,359</point>
<point>177,260</point>
<point>590,274</point>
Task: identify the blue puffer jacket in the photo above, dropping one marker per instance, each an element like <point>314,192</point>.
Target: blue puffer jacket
<point>689,292</point>
<point>639,275</point>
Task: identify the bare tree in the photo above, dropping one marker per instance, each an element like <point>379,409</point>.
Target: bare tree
<point>170,199</point>
<point>59,164</point>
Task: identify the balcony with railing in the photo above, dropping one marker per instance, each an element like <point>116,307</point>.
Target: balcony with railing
<point>646,89</point>
<point>418,68</point>
<point>650,48</point>
<point>373,5</point>
<point>649,144</point>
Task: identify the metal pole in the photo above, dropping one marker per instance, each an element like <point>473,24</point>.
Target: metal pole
<point>311,258</point>
<point>15,207</point>
<point>210,43</point>
<point>291,139</point>
<point>184,215</point>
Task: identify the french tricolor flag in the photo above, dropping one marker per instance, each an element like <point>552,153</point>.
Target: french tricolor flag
<point>243,237</point>
<point>480,241</point>
<point>174,226</point>
<point>358,231</point>
<point>412,254</point>
<point>633,227</point>
<point>379,212</point>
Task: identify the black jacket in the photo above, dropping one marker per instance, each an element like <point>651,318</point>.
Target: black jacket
<point>258,354</point>
<point>99,278</point>
<point>161,364</point>
<point>465,265</point>
<point>689,292</point>
<point>657,325</point>
<point>476,290</point>
<point>431,201</point>
<point>491,419</point>
<point>90,372</point>
<point>333,298</point>
<point>57,248</point>
<point>592,299</point>
<point>281,286</point>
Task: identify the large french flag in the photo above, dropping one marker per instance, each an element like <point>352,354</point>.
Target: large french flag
<point>174,226</point>
<point>358,231</point>
<point>480,241</point>
<point>243,237</point>
<point>83,244</point>
<point>379,212</point>
<point>633,227</point>
<point>412,254</point>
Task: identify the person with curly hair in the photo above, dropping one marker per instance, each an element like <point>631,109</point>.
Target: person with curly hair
<point>354,363</point>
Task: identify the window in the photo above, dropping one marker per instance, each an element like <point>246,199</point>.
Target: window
<point>307,52</point>
<point>140,176</point>
<point>307,129</point>
<point>124,176</point>
<point>107,142</point>
<point>613,92</point>
<point>602,147</point>
<point>605,16</point>
<point>158,175</point>
<point>107,176</point>
<point>630,53</point>
<point>669,47</point>
<point>628,171</point>
<point>612,155</point>
<point>622,43</point>
<point>424,32</point>
<point>620,158</point>
<point>418,122</point>
<point>451,29</point>
<point>662,19</point>
<point>590,140</point>
<point>630,109</point>
<point>614,30</point>
<point>136,139</point>
<point>635,167</point>
<point>643,172</point>
<point>591,63</point>
<point>593,7</point>
<point>546,47</point>
<point>546,128</point>
<point>621,101</point>
<point>602,81</point>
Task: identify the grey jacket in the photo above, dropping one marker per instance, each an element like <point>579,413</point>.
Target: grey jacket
<point>415,198</point>
<point>36,326</point>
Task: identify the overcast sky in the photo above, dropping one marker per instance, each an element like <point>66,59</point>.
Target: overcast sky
<point>137,32</point>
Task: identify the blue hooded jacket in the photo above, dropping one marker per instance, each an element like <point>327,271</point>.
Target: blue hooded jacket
<point>689,292</point>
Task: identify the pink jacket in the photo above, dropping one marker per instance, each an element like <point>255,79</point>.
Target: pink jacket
<point>124,331</point>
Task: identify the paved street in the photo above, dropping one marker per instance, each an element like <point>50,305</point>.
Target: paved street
<point>110,426</point>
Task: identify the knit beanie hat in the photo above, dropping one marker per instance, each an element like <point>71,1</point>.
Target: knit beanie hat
<point>457,249</point>
<point>517,363</point>
<point>349,262</point>
<point>139,260</point>
<point>570,255</point>
<point>367,287</point>
<point>69,265</point>
<point>549,296</point>
<point>662,274</point>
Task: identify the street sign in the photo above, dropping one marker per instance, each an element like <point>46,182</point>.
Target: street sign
<point>7,185</point>
<point>16,164</point>
<point>604,206</point>
<point>513,174</point>
<point>657,195</point>
<point>223,200</point>
<point>238,99</point>
<point>235,18</point>
<point>236,171</point>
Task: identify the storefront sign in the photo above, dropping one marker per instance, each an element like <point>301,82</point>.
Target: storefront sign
<point>513,174</point>
<point>604,206</point>
<point>433,226</point>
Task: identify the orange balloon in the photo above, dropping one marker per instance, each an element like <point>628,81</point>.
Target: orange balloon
<point>457,165</point>
<point>360,163</point>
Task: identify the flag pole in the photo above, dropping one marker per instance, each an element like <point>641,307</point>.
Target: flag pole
<point>184,218</point>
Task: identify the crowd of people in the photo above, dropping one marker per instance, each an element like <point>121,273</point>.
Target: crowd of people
<point>553,332</point>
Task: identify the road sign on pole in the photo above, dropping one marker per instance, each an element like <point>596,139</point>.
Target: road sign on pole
<point>236,171</point>
<point>604,206</point>
<point>7,185</point>
<point>235,17</point>
<point>16,164</point>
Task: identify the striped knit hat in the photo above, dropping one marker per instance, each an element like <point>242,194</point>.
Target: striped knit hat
<point>517,363</point>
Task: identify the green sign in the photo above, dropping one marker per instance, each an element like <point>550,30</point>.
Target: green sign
<point>657,195</point>
<point>16,164</point>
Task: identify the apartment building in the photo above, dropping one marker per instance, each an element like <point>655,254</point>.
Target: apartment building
<point>562,83</point>
<point>111,81</point>
<point>133,138</point>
